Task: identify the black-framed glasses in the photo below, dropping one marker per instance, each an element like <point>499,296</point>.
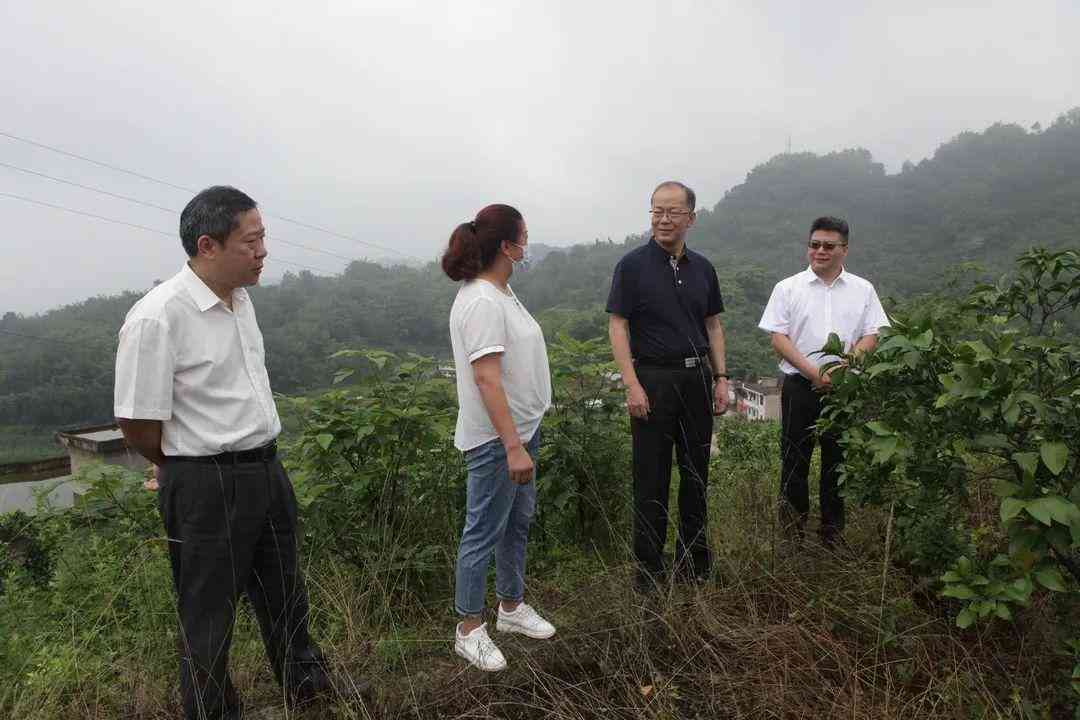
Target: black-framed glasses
<point>830,246</point>
<point>675,214</point>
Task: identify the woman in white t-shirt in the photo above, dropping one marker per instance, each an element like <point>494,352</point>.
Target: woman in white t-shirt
<point>504,389</point>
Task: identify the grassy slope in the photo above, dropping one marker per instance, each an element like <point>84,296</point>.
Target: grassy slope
<point>777,635</point>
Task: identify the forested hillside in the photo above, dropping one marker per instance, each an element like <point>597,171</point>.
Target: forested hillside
<point>982,197</point>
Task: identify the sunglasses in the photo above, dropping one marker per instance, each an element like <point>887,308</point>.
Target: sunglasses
<point>830,246</point>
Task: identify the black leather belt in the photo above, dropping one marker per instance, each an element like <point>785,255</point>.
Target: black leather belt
<point>266,453</point>
<point>674,362</point>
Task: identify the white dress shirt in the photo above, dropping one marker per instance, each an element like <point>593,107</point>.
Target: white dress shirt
<point>484,320</point>
<point>806,309</point>
<point>189,361</point>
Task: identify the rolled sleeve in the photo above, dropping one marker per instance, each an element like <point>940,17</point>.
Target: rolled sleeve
<point>144,371</point>
<point>875,314</point>
<point>483,329</point>
<point>777,315</point>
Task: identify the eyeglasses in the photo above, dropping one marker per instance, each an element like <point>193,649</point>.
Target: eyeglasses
<point>675,214</point>
<point>830,246</point>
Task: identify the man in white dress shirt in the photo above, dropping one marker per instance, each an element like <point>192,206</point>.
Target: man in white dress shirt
<point>802,311</point>
<point>193,396</point>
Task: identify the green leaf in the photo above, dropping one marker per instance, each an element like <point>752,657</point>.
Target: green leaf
<point>1062,510</point>
<point>878,368</point>
<point>1010,508</point>
<point>884,448</point>
<point>1010,410</point>
<point>1040,510</point>
<point>982,352</point>
<point>324,440</point>
<point>965,618</point>
<point>878,429</point>
<point>960,592</point>
<point>1028,462</point>
<point>1054,455</point>
<point>1002,611</point>
<point>1004,488</point>
<point>1051,579</point>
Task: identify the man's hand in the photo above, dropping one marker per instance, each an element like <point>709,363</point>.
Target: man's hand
<point>520,464</point>
<point>720,396</point>
<point>822,381</point>
<point>637,402</point>
<point>151,482</point>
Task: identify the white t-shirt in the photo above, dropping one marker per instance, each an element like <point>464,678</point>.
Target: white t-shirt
<point>805,309</point>
<point>485,320</point>
<point>187,360</point>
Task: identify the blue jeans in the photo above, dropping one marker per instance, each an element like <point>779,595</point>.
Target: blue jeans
<point>497,516</point>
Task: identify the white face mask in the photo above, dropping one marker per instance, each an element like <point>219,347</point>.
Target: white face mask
<point>525,262</point>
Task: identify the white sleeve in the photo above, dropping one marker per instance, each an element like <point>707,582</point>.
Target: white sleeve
<point>483,329</point>
<point>875,315</point>
<point>777,317</point>
<point>144,371</point>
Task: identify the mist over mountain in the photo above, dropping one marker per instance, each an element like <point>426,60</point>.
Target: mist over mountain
<point>983,197</point>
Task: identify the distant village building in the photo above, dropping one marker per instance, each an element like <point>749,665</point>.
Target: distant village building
<point>758,400</point>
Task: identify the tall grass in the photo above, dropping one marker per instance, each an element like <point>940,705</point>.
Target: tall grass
<point>779,632</point>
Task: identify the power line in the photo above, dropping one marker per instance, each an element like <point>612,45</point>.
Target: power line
<point>156,231</point>
<point>85,214</point>
<point>166,183</point>
<point>87,187</point>
<point>92,161</point>
<point>171,211</point>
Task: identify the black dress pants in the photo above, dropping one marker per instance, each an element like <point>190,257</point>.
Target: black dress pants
<point>680,415</point>
<point>800,407</point>
<point>232,532</point>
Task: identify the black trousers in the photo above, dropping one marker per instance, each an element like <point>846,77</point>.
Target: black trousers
<point>232,532</point>
<point>800,407</point>
<point>680,401</point>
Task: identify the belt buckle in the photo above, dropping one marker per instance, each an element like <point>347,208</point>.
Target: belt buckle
<point>690,362</point>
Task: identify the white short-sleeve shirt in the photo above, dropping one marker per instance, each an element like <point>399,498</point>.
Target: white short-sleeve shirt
<point>485,320</point>
<point>806,309</point>
<point>187,360</point>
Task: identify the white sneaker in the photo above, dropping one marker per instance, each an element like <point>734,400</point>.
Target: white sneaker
<point>526,621</point>
<point>479,650</point>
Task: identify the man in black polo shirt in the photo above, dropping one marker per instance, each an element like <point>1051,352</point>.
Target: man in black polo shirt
<point>668,342</point>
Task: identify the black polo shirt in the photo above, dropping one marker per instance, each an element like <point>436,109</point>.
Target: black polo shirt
<point>666,307</point>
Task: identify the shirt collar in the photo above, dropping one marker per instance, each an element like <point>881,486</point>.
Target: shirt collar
<point>811,276</point>
<point>204,297</point>
<point>665,255</point>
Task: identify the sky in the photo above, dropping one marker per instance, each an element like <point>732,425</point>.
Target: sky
<point>387,123</point>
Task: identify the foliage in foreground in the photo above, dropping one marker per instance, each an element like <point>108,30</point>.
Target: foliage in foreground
<point>807,634</point>
<point>965,423</point>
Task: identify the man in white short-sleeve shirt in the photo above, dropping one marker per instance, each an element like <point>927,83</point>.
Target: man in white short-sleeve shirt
<point>802,311</point>
<point>192,395</point>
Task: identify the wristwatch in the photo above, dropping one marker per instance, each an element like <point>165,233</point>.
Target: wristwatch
<point>717,376</point>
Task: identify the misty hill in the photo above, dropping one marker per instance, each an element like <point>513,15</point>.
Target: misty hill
<point>982,197</point>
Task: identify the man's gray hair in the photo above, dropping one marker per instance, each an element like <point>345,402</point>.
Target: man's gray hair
<point>691,198</point>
